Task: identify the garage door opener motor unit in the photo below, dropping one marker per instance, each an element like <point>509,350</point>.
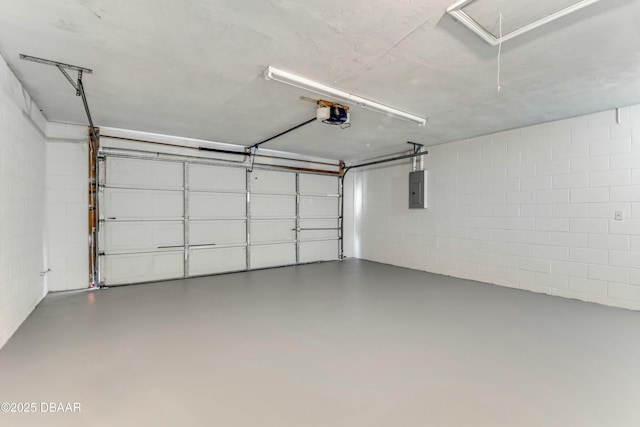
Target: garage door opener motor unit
<point>334,114</point>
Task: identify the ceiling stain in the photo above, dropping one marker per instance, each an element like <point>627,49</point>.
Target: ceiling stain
<point>69,26</point>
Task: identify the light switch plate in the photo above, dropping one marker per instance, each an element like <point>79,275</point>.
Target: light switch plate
<point>618,216</point>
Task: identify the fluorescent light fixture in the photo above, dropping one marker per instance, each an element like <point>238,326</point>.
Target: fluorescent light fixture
<point>272,73</point>
<point>466,17</point>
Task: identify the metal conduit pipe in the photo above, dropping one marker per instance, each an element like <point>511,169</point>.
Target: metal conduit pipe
<point>96,248</point>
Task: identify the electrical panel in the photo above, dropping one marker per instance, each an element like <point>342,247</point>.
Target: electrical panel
<point>418,190</point>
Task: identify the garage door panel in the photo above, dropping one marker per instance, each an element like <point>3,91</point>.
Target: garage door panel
<point>272,231</point>
<point>142,236</point>
<point>272,206</point>
<point>217,260</point>
<point>318,206</point>
<point>217,232</point>
<point>322,250</point>
<point>273,255</point>
<point>217,178</point>
<point>139,173</point>
<point>217,205</point>
<point>272,182</point>
<point>313,229</point>
<point>319,185</point>
<point>132,268</point>
<point>121,203</point>
<point>306,235</point>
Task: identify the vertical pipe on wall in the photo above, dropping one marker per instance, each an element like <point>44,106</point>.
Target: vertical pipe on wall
<point>97,273</point>
<point>185,213</point>
<point>297,218</point>
<point>341,217</point>
<point>92,206</point>
<point>94,219</point>
<point>248,219</point>
<point>342,173</point>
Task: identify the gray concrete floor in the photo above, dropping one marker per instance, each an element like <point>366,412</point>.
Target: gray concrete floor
<point>336,344</point>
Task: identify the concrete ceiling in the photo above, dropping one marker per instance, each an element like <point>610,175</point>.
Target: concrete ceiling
<point>193,68</point>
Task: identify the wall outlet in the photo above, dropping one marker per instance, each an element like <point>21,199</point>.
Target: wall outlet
<point>618,216</point>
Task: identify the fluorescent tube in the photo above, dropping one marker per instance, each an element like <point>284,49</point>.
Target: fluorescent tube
<point>272,73</point>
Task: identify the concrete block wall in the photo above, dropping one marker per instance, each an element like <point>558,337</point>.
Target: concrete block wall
<point>531,208</point>
<point>22,204</point>
<point>67,213</point>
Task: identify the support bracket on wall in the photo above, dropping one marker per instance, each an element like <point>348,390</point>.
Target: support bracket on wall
<point>252,153</point>
<point>416,162</point>
<point>77,85</point>
<point>416,147</point>
<point>55,63</point>
<point>94,171</point>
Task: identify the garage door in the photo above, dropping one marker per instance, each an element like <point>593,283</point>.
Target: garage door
<point>173,219</point>
<point>273,218</point>
<point>142,233</point>
<point>217,219</point>
<point>319,216</point>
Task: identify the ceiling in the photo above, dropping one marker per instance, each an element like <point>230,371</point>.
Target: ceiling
<point>194,68</point>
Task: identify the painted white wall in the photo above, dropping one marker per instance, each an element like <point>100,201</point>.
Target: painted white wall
<point>67,189</point>
<point>531,208</point>
<point>22,204</point>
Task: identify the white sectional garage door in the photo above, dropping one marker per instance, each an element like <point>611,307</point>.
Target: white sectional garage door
<point>217,219</point>
<point>170,219</point>
<point>273,218</point>
<point>318,217</point>
<point>142,235</point>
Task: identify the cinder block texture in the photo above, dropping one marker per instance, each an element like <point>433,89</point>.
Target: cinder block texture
<point>534,209</point>
<point>67,214</point>
<point>22,204</point>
